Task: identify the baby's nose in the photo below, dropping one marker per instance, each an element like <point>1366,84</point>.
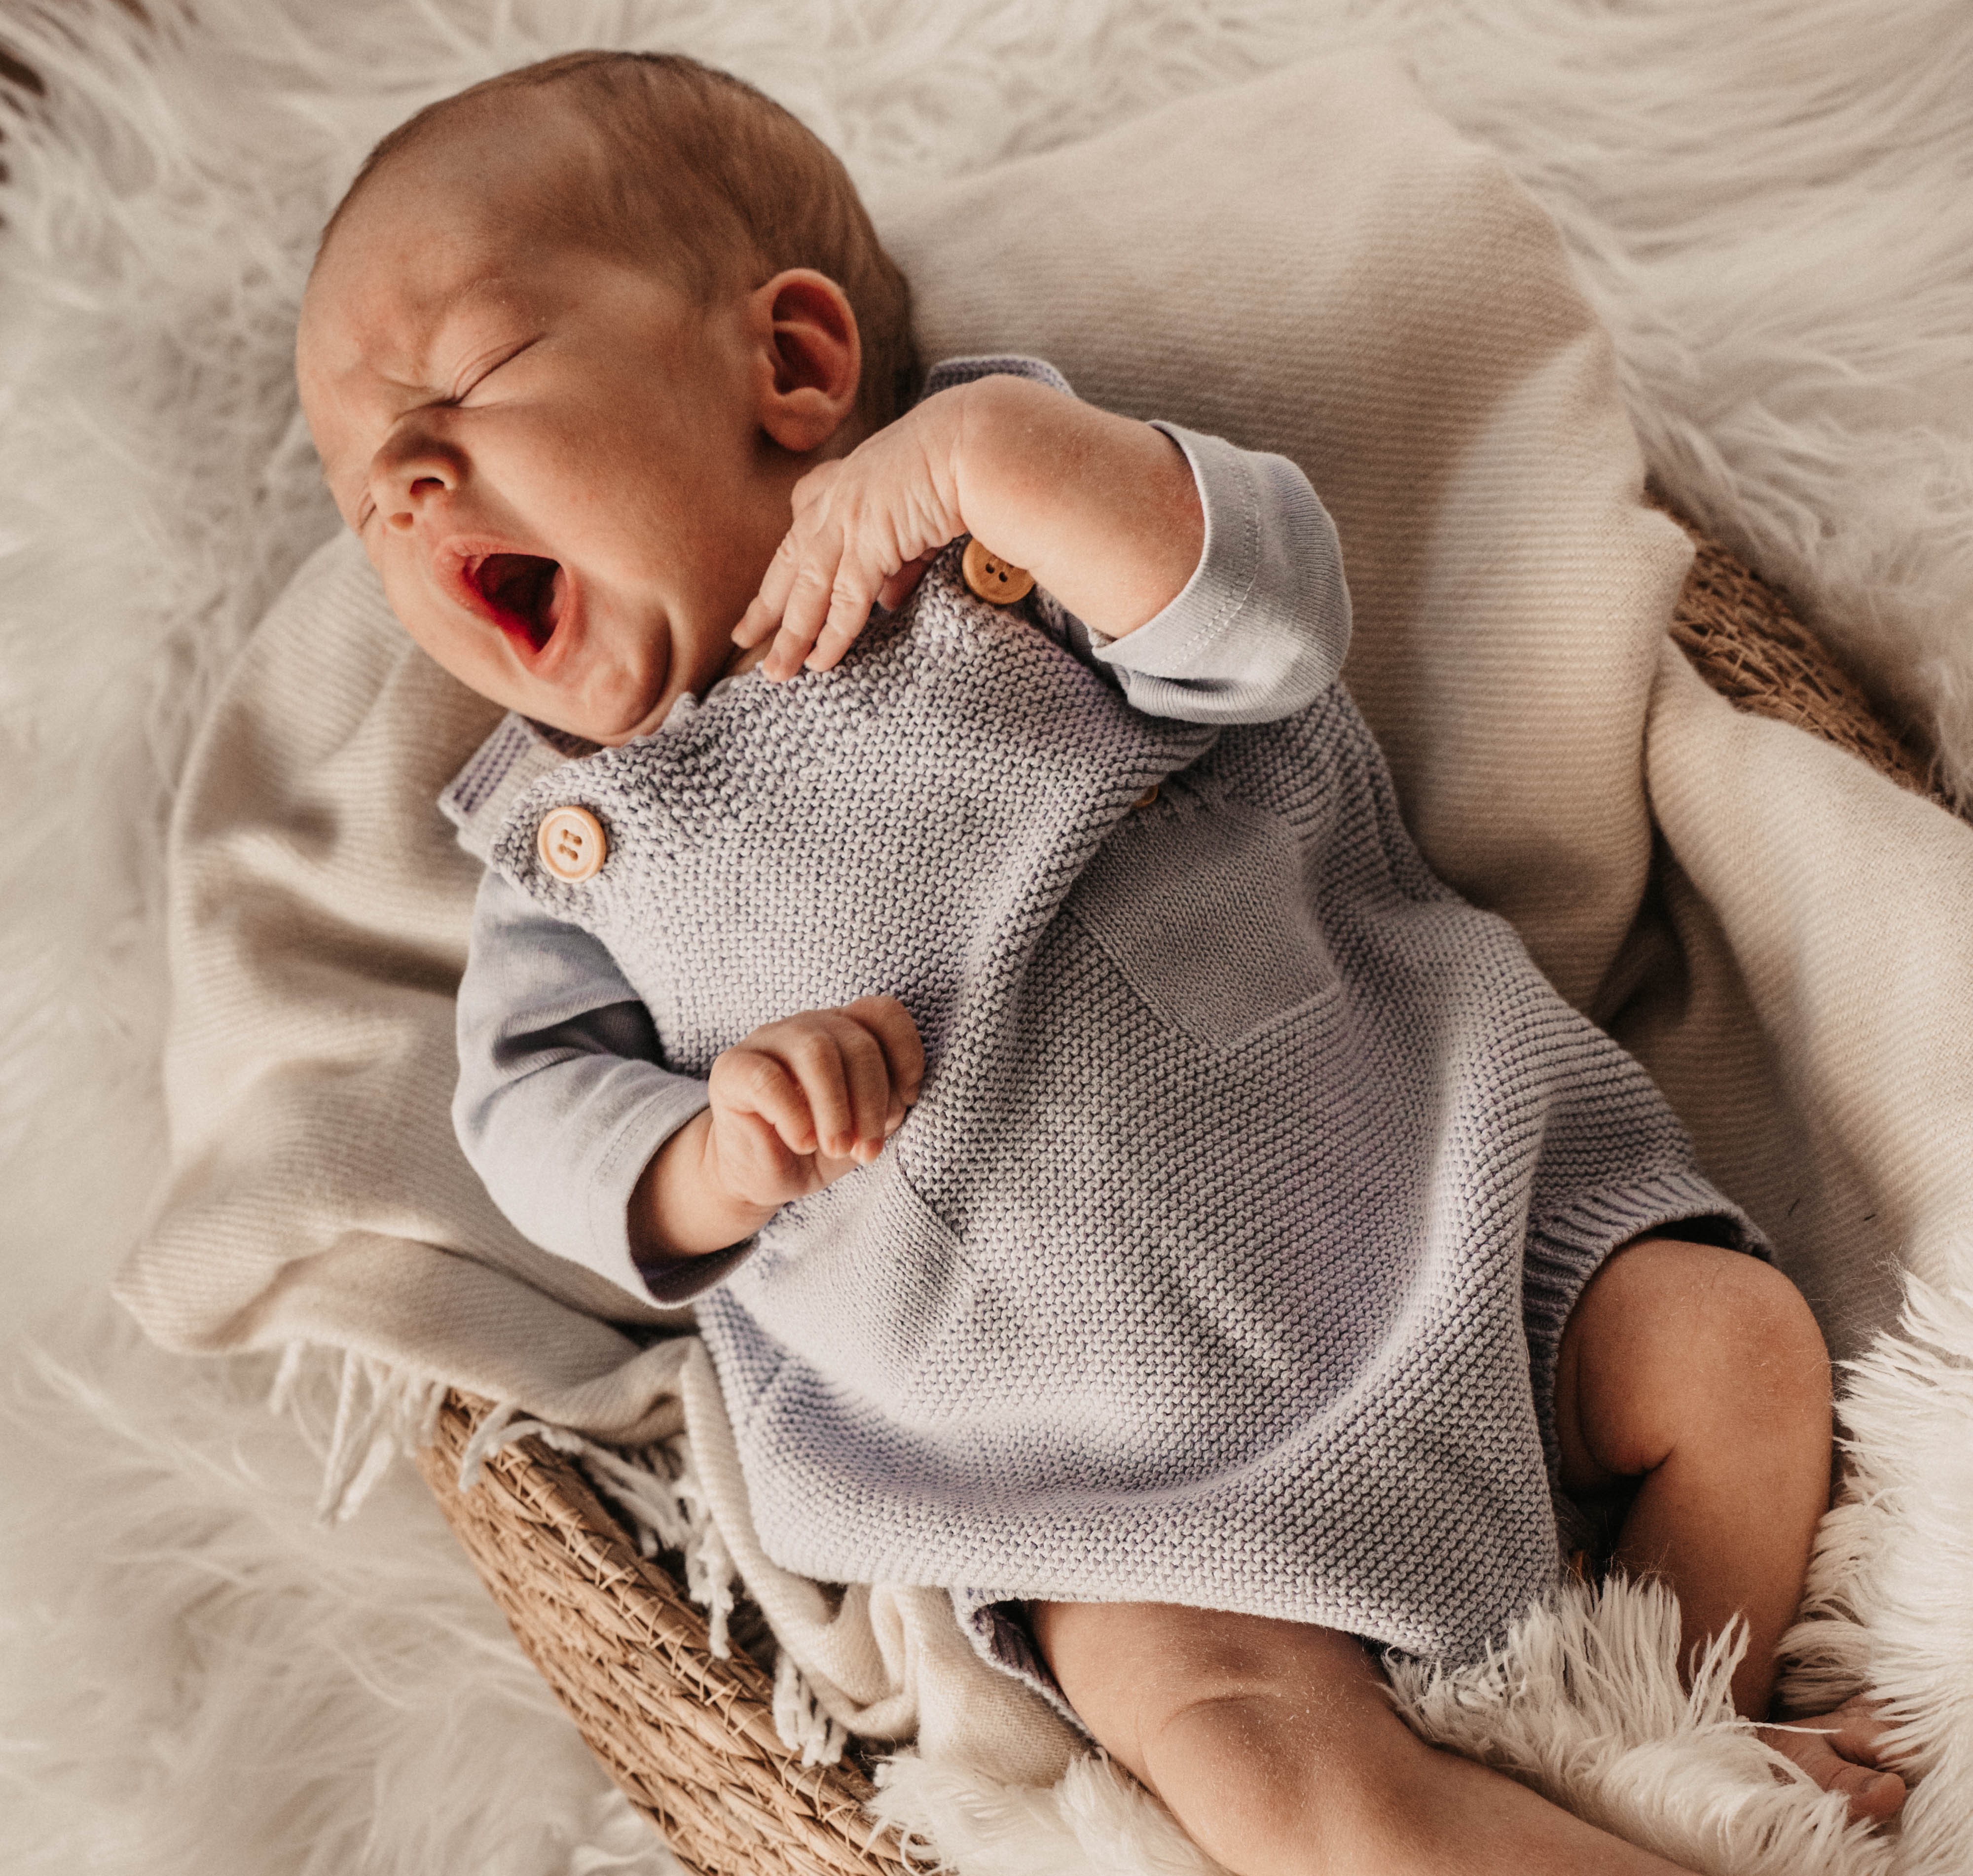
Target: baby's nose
<point>413,469</point>
<point>402,515</point>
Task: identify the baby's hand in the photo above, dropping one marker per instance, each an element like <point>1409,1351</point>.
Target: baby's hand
<point>1102,511</point>
<point>802,1101</point>
<point>795,1106</point>
<point>865,526</point>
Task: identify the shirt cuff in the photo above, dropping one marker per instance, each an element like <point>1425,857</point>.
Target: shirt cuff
<point>1260,630</point>
<point>623,1151</point>
<point>619,1167</point>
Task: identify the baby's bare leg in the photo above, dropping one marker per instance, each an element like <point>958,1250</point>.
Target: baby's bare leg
<point>1700,1374</point>
<point>1276,1746</point>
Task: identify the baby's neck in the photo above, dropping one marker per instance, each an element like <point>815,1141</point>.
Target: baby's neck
<point>745,659</point>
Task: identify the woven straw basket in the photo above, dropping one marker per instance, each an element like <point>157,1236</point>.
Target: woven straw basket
<point>689,1736</point>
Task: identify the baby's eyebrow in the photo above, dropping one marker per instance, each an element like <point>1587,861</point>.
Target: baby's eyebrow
<point>494,293</point>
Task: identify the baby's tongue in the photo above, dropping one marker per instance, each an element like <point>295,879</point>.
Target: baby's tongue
<point>558,591</point>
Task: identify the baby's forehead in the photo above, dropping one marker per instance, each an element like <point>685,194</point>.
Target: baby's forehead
<point>434,231</point>
<point>453,185</point>
<point>530,155</point>
<point>383,291</point>
<point>518,167</point>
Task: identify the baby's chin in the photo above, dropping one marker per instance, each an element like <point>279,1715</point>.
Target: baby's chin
<point>613,723</point>
<point>721,658</point>
<point>608,727</point>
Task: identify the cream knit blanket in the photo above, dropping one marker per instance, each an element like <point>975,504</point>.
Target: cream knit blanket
<point>1312,263</point>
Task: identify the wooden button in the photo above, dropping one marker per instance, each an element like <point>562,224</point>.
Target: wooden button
<point>1147,797</point>
<point>571,843</point>
<point>993,579</point>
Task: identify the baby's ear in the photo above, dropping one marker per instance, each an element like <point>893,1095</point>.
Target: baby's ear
<point>809,358</point>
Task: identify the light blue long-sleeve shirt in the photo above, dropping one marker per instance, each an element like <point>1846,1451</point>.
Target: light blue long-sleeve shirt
<point>563,1097</point>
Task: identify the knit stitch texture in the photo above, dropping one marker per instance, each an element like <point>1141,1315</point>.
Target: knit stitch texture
<point>1196,1274</point>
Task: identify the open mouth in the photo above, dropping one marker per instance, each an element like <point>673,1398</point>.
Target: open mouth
<point>525,593</point>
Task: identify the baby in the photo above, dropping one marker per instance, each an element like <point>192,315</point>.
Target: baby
<point>1116,1181</point>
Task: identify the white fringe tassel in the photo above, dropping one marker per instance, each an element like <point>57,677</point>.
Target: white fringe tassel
<point>382,1410</point>
<point>661,1499</point>
<point>799,1718</point>
<point>665,1506</point>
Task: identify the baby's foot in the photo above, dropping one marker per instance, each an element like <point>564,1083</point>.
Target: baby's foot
<point>1843,1751</point>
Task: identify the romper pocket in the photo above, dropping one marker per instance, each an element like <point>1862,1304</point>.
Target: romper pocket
<point>1204,912</point>
<point>863,1279</point>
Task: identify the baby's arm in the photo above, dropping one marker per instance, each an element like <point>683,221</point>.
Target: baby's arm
<point>561,1100</point>
<point>1260,630</point>
<point>1251,616</point>
<point>598,1152</point>
<point>1101,509</point>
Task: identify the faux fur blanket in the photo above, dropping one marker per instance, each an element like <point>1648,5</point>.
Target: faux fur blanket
<point>1881,1146</point>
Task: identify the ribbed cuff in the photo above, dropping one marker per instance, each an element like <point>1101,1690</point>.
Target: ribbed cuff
<point>516,756</point>
<point>1260,628</point>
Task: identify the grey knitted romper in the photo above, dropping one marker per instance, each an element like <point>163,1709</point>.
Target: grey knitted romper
<point>1199,1272</point>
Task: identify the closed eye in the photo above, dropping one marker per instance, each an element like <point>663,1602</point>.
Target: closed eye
<point>477,373</point>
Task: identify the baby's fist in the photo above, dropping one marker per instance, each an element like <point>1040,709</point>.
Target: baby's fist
<point>802,1101</point>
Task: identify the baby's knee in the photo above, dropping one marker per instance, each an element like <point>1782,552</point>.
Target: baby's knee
<point>1674,1339</point>
<point>1770,1335</point>
<point>1268,1779</point>
<point>1295,1761</point>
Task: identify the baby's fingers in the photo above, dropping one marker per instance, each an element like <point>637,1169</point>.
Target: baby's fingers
<point>756,623</point>
<point>849,605</point>
<point>756,1164</point>
<point>890,1022</point>
<point>904,582</point>
<point>846,1081</point>
<point>764,611</point>
<point>751,1081</point>
<point>867,1079</point>
<point>804,614</point>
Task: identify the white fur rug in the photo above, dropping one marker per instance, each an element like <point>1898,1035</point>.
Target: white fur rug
<point>1770,204</point>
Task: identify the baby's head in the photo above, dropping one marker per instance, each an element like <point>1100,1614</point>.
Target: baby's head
<point>570,340</point>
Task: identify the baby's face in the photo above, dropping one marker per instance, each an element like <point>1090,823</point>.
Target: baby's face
<point>553,458</point>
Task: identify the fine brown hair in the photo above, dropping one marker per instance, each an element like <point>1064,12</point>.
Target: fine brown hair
<point>709,179</point>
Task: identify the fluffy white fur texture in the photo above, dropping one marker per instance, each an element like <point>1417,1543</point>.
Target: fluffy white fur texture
<point>1584,1703</point>
<point>1890,1595</point>
<point>200,1678</point>
<point>1096,1823</point>
<point>1770,204</point>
